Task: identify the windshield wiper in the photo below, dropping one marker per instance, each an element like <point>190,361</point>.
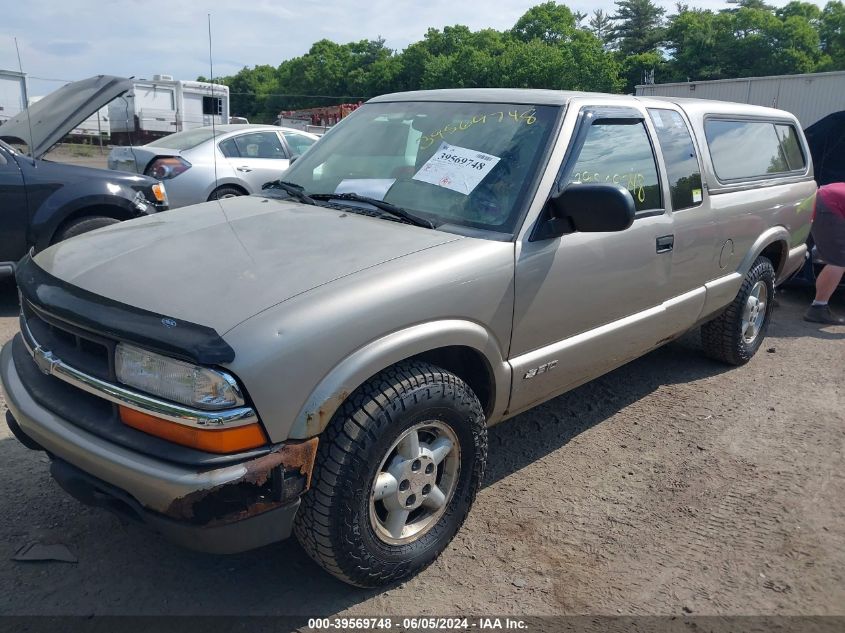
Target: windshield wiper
<point>381,205</point>
<point>292,189</point>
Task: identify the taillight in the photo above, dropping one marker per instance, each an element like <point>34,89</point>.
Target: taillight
<point>166,168</point>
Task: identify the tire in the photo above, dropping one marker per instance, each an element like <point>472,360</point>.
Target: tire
<point>342,526</point>
<point>83,225</point>
<point>728,337</point>
<point>225,192</point>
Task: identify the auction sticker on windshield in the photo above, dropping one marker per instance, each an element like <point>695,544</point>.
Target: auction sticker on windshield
<point>456,168</point>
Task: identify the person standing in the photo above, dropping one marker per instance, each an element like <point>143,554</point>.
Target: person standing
<point>829,236</point>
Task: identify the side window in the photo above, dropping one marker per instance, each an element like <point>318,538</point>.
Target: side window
<point>620,153</point>
<point>259,145</point>
<point>212,105</point>
<point>679,155</point>
<point>791,147</point>
<point>228,148</point>
<point>298,143</point>
<point>746,149</point>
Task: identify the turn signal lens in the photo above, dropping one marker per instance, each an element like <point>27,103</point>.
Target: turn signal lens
<point>159,192</point>
<point>239,438</point>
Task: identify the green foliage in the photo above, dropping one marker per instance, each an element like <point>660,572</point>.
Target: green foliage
<point>551,46</point>
<point>639,26</point>
<point>550,22</point>
<point>832,35</point>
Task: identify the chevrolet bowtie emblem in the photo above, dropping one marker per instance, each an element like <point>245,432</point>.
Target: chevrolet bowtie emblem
<point>45,360</point>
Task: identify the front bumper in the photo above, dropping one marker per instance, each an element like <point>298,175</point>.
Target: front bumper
<point>223,510</point>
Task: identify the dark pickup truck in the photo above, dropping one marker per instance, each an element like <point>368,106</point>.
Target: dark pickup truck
<point>43,202</point>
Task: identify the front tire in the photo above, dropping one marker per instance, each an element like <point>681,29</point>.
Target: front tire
<point>396,473</point>
<point>735,335</point>
<point>83,225</point>
<point>221,193</point>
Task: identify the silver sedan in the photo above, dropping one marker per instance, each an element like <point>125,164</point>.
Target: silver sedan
<point>201,164</point>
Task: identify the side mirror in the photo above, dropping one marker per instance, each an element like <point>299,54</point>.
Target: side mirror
<point>293,158</point>
<point>594,208</point>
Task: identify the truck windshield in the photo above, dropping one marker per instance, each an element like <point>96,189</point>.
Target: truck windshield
<point>467,164</point>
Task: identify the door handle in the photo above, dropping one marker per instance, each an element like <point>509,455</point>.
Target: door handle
<point>665,243</point>
<point>244,169</point>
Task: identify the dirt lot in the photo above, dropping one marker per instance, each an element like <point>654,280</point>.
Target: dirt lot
<point>672,485</point>
<point>79,154</point>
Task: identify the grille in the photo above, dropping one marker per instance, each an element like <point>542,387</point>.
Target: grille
<point>79,348</point>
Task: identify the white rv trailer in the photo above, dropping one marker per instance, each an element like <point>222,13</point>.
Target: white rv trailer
<point>163,105</point>
<point>94,126</point>
<point>12,94</point>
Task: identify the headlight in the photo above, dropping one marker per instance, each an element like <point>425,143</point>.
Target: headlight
<point>176,380</point>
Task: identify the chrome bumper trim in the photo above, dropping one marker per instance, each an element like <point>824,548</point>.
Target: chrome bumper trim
<point>51,365</point>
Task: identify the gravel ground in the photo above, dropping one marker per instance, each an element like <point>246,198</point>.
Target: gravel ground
<point>673,485</point>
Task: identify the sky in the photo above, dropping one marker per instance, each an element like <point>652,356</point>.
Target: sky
<point>74,39</point>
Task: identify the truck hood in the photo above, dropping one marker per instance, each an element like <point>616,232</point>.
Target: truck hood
<point>219,263</point>
<point>52,118</point>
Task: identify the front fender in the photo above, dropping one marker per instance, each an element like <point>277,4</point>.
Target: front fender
<point>378,355</point>
<point>64,202</point>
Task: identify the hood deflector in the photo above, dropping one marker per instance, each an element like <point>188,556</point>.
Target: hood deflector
<point>156,332</point>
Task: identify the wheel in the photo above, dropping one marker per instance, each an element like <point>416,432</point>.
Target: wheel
<point>225,192</point>
<point>397,470</point>
<point>83,225</point>
<point>735,335</point>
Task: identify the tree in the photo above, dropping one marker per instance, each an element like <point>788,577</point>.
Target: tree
<point>638,27</point>
<point>695,39</point>
<point>550,22</point>
<point>832,35</point>
<point>601,25</point>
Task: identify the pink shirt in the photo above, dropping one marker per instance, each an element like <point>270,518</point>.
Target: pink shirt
<point>832,196</point>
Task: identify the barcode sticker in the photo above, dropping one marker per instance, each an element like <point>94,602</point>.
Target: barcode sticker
<point>456,168</point>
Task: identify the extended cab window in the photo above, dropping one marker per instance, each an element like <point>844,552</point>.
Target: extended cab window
<point>680,157</point>
<point>749,149</point>
<point>620,153</point>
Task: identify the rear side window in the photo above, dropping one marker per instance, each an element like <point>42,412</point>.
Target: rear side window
<point>749,149</point>
<point>298,143</point>
<point>228,148</point>
<point>621,154</point>
<point>681,159</point>
<point>791,147</point>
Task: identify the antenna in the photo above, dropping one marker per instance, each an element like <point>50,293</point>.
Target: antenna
<point>213,107</point>
<point>26,105</point>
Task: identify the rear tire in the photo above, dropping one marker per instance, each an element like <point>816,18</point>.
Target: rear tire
<point>346,522</point>
<point>225,192</point>
<point>83,225</point>
<point>735,335</point>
